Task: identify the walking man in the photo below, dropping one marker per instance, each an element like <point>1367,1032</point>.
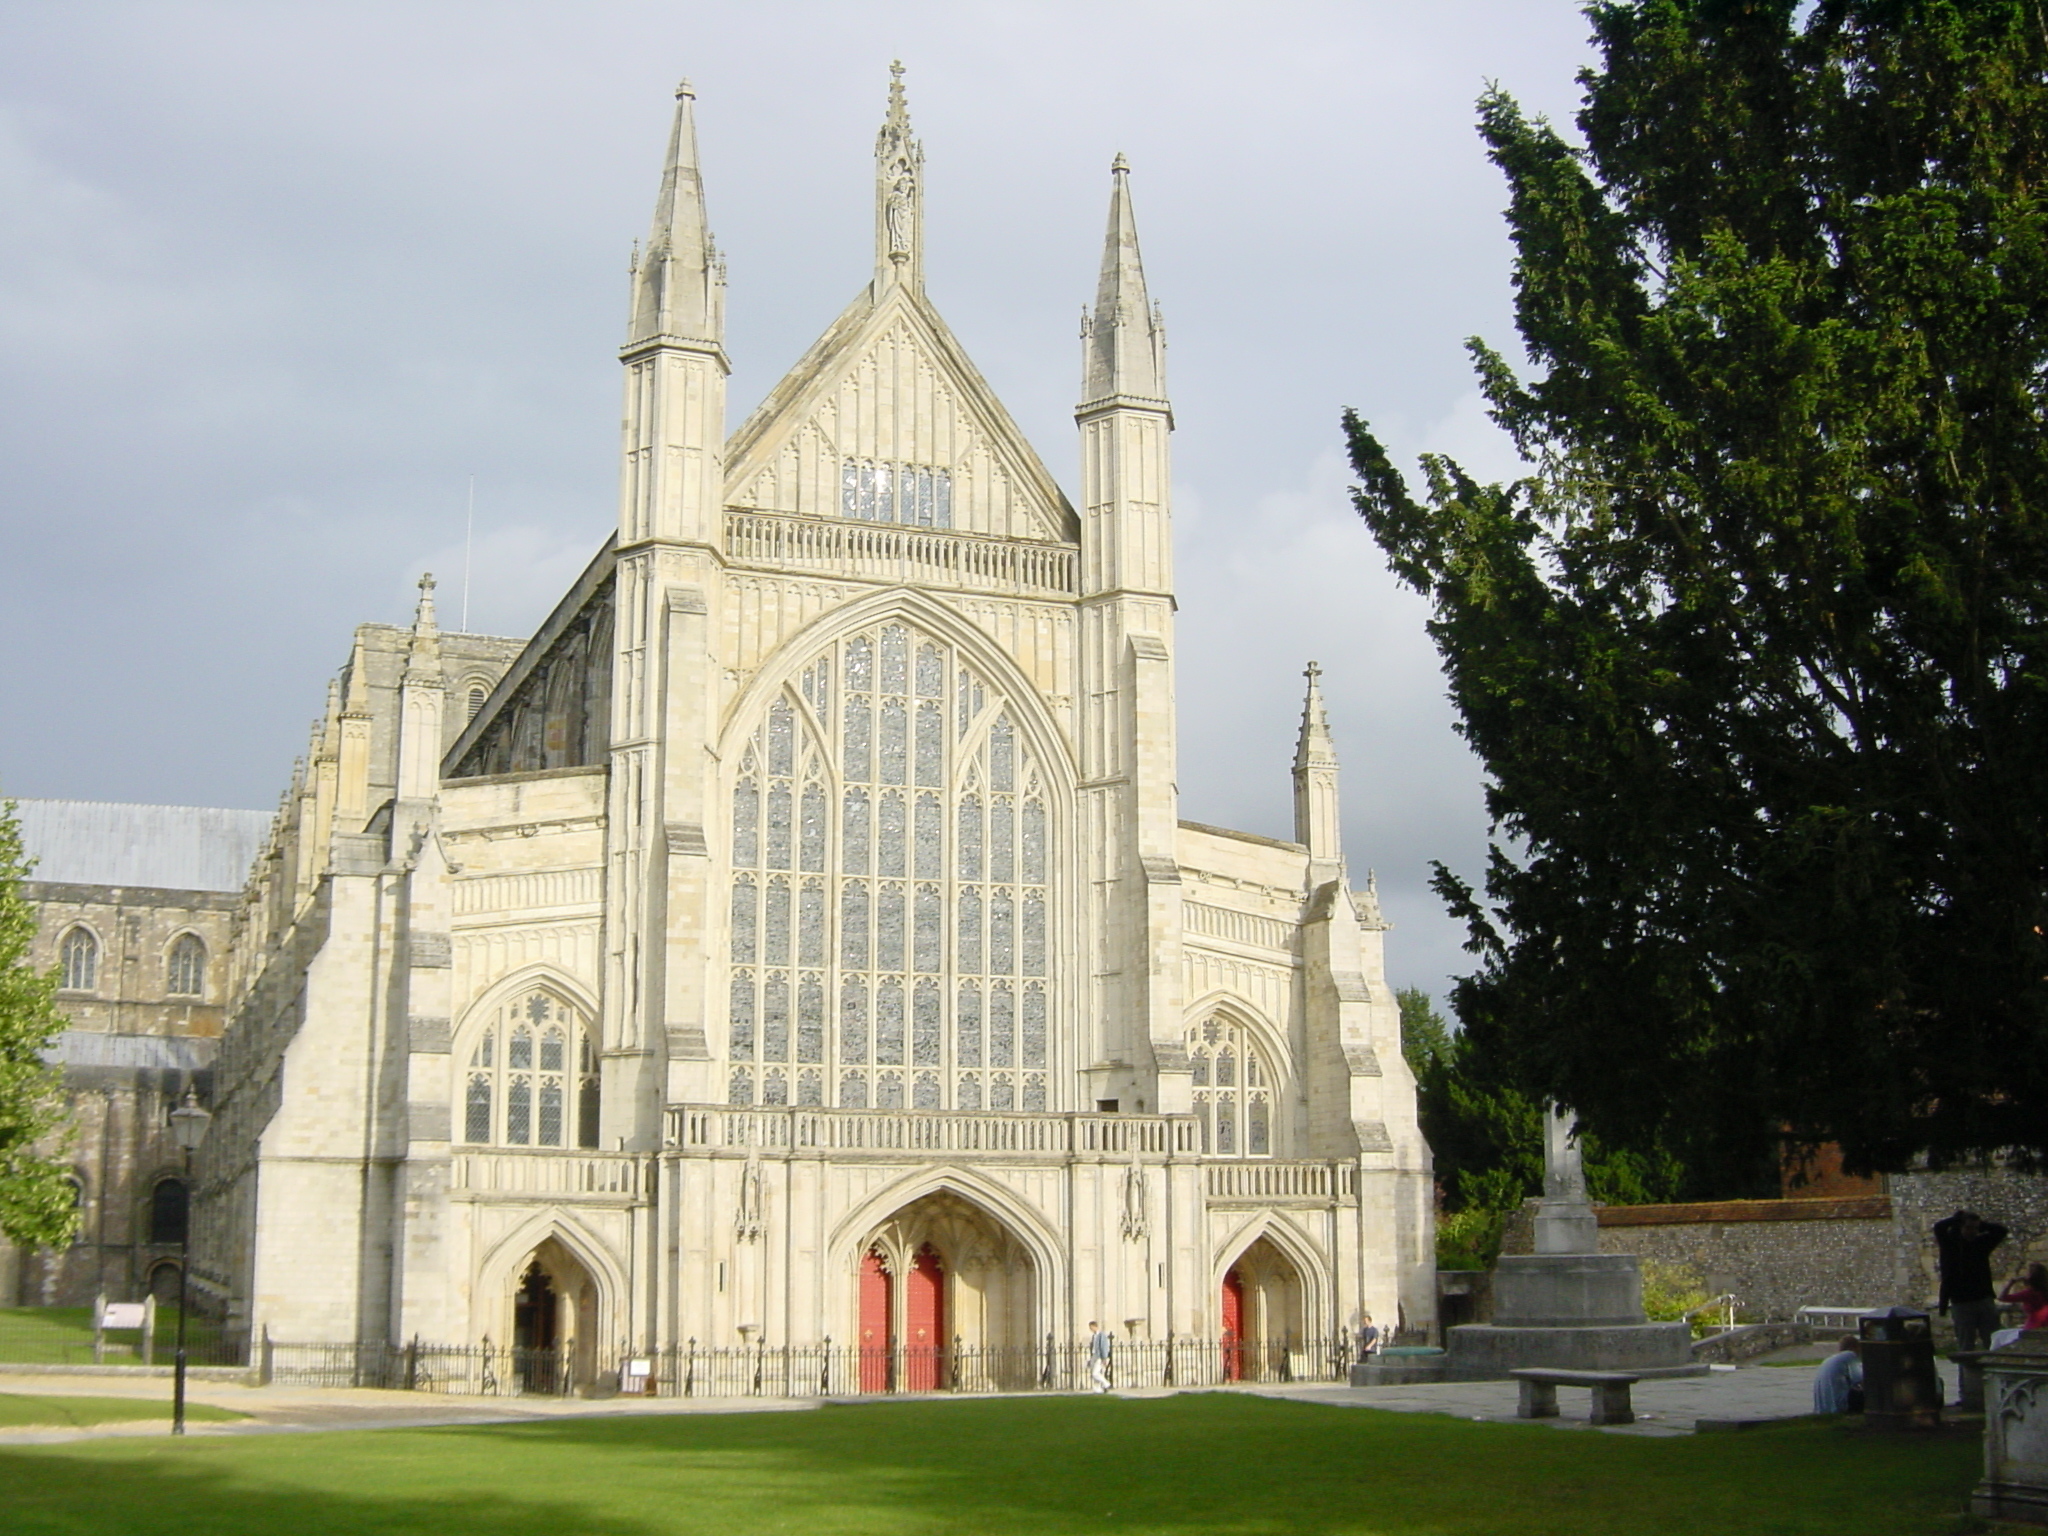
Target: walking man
<point>1963,1244</point>
<point>1098,1358</point>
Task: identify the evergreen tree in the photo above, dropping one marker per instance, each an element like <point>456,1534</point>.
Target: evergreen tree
<point>1756,658</point>
<point>36,1206</point>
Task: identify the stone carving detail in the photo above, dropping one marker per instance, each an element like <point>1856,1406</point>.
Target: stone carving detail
<point>1137,1223</point>
<point>747,1217</point>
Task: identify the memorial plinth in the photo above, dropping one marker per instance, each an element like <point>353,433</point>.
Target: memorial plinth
<point>1568,1306</point>
<point>2015,1485</point>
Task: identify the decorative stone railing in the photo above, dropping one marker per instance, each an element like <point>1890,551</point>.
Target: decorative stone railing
<point>1265,1182</point>
<point>895,1130</point>
<point>546,1171</point>
<point>1233,927</point>
<point>887,552</point>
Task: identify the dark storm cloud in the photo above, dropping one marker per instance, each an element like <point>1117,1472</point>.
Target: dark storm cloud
<point>276,280</point>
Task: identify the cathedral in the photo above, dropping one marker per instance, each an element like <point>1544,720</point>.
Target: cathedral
<point>796,938</point>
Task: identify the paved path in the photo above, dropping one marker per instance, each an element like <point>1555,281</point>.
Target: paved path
<point>1667,1407</point>
<point>1662,1407</point>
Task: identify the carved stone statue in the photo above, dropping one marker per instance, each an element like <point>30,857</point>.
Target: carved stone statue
<point>1136,1222</point>
<point>896,213</point>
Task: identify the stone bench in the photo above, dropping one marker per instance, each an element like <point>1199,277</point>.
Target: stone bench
<point>1610,1393</point>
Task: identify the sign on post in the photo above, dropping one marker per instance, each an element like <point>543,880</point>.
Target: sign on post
<point>121,1316</point>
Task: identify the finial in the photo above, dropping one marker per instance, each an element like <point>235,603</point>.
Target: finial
<point>899,106</point>
<point>1119,166</point>
<point>1314,673</point>
<point>686,89</point>
<point>427,583</point>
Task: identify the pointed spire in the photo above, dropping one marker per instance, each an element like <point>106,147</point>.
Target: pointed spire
<point>423,660</point>
<point>1126,337</point>
<point>899,195</point>
<point>1316,823</point>
<point>679,277</point>
<point>1314,748</point>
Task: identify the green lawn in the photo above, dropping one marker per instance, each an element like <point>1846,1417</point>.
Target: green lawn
<point>18,1409</point>
<point>1213,1463</point>
<point>63,1336</point>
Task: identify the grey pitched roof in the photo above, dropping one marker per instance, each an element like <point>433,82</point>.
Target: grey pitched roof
<point>177,1053</point>
<point>175,847</point>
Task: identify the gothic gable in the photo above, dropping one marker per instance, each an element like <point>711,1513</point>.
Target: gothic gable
<point>886,420</point>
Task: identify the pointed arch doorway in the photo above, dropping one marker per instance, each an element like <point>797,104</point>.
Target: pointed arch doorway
<point>554,1321</point>
<point>1260,1314</point>
<point>947,1298</point>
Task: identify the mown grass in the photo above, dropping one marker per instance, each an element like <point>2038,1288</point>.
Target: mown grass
<point>59,1410</point>
<point>63,1336</point>
<point>1217,1464</point>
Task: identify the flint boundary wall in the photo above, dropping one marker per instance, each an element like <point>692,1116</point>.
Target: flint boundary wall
<point>1776,1256</point>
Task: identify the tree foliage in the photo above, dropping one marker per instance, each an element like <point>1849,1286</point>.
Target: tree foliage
<point>36,1207</point>
<point>1487,1137</point>
<point>1754,658</point>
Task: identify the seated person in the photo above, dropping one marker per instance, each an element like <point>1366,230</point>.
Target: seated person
<point>1838,1384</point>
<point>2031,1292</point>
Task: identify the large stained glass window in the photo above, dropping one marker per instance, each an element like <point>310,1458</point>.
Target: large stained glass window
<point>890,938</point>
<point>1233,1089</point>
<point>532,1079</point>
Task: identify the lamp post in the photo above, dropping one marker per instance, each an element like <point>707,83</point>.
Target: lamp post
<point>188,1126</point>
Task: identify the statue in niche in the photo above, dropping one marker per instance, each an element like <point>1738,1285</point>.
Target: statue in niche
<point>896,212</point>
<point>1564,1171</point>
<point>1136,1222</point>
<point>747,1219</point>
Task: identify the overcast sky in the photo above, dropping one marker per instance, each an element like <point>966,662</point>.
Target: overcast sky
<point>277,279</point>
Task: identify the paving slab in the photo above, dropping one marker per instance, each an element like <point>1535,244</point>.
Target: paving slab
<point>1671,1406</point>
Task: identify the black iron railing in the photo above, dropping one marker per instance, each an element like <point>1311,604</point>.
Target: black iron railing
<point>827,1369</point>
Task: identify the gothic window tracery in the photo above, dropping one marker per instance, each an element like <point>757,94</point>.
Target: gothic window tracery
<point>1233,1085</point>
<point>79,954</point>
<point>922,952</point>
<point>916,495</point>
<point>532,1079</point>
<point>185,967</point>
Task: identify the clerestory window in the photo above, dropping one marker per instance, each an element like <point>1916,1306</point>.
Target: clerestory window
<point>532,1079</point>
<point>79,959</point>
<point>892,891</point>
<point>185,967</point>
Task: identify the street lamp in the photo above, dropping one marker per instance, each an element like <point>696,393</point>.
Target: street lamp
<point>188,1128</point>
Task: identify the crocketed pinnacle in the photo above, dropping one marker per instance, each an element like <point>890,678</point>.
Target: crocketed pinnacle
<point>678,279</point>
<point>1126,353</point>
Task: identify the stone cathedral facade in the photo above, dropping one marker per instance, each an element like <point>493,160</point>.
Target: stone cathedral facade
<point>796,938</point>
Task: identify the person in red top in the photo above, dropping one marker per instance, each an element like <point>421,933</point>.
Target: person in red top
<point>2031,1292</point>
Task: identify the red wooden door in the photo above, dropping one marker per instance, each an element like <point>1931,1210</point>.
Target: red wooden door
<point>924,1323</point>
<point>1233,1327</point>
<point>874,1341</point>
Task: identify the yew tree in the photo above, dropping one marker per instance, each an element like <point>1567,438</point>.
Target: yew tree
<point>1756,657</point>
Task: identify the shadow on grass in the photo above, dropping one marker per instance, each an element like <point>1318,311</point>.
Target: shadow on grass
<point>1202,1464</point>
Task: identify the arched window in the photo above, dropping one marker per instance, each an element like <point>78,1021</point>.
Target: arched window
<point>892,893</point>
<point>80,957</point>
<point>1233,1089</point>
<point>168,1207</point>
<point>185,971</point>
<point>477,694</point>
<point>532,1079</point>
